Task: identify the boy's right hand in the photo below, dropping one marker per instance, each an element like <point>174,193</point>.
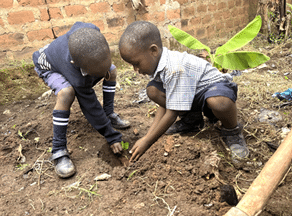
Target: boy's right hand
<point>117,148</point>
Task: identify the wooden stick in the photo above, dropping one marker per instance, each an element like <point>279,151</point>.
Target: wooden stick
<point>258,194</point>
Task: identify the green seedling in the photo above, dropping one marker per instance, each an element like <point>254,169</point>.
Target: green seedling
<point>37,139</point>
<point>49,150</point>
<point>125,145</point>
<point>21,166</point>
<point>131,175</point>
<point>225,56</point>
<point>21,135</point>
<point>13,127</point>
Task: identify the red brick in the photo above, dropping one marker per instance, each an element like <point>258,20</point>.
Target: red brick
<point>56,1</point>
<point>118,7</point>
<point>113,37</point>
<point>20,17</point>
<point>196,21</point>
<point>8,40</point>
<point>212,7</point>
<point>75,10</point>
<point>31,2</point>
<point>188,12</point>
<point>158,16</point>
<point>1,22</point>
<point>220,26</point>
<point>238,3</point>
<point>229,23</point>
<point>149,2</point>
<point>40,35</point>
<point>100,7</point>
<point>231,4</point>
<point>173,14</point>
<point>162,2</point>
<point>222,6</point>
<point>144,16</point>
<point>55,13</point>
<point>115,22</point>
<point>201,33</point>
<point>202,8</point>
<point>211,31</point>
<point>218,16</point>
<point>181,2</point>
<point>206,19</point>
<point>59,31</point>
<point>99,24</point>
<point>44,15</point>
<point>6,3</point>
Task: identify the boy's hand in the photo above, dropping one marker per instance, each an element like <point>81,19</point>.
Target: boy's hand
<point>117,148</point>
<point>138,149</point>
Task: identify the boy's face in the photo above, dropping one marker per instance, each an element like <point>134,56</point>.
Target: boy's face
<point>144,62</point>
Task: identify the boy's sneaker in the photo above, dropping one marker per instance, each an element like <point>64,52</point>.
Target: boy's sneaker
<point>189,122</point>
<point>117,122</point>
<point>235,141</point>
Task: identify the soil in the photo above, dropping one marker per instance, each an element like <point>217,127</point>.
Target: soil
<point>178,175</point>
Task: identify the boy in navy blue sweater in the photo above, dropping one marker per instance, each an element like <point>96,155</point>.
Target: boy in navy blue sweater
<point>71,65</point>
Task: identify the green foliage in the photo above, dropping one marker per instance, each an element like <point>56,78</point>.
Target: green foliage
<point>125,145</point>
<point>21,166</point>
<point>224,57</point>
<point>131,175</point>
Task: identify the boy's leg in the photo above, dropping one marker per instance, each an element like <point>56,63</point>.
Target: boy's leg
<point>109,87</point>
<point>190,121</point>
<point>65,97</point>
<point>220,98</point>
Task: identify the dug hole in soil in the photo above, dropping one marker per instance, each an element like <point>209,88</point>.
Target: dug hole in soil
<point>178,175</point>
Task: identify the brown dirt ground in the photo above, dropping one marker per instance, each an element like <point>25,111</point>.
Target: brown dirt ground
<point>185,182</point>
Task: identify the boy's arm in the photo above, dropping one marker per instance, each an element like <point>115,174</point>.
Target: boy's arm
<point>95,114</point>
<point>163,120</point>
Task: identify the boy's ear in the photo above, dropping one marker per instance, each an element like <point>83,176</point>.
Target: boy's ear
<point>154,50</point>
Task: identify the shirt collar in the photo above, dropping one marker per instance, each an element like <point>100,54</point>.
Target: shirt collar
<point>161,64</point>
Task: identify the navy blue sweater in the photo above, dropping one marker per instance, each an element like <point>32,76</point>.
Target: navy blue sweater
<point>58,56</point>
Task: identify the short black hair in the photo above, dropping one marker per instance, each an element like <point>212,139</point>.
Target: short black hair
<point>87,45</point>
<point>140,35</point>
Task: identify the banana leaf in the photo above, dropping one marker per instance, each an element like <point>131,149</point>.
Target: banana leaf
<point>241,60</point>
<point>241,38</point>
<point>188,40</point>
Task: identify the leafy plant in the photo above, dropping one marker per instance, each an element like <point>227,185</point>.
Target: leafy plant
<point>125,145</point>
<point>21,166</point>
<point>225,55</point>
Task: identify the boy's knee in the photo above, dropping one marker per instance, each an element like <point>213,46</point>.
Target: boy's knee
<point>220,103</point>
<point>67,94</point>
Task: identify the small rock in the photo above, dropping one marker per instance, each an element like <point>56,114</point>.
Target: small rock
<point>6,112</point>
<point>135,131</point>
<point>102,177</point>
<point>165,154</point>
<point>285,74</point>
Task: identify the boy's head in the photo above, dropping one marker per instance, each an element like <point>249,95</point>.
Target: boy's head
<point>90,51</point>
<point>141,46</point>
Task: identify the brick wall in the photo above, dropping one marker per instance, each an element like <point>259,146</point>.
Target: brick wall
<point>26,25</point>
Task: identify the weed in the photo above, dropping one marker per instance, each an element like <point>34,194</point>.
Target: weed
<point>131,175</point>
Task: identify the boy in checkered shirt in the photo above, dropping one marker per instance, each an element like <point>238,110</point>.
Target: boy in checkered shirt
<point>181,82</point>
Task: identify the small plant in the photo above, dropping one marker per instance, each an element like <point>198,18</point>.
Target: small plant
<point>21,166</point>
<point>131,175</point>
<point>225,56</point>
<point>125,145</point>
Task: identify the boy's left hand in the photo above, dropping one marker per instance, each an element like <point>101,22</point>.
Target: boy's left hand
<point>117,148</point>
<point>138,149</point>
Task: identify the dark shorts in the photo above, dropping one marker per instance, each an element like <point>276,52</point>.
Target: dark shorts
<point>54,80</point>
<point>223,88</point>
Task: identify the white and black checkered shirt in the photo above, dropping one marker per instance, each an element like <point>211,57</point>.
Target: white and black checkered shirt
<point>183,75</point>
